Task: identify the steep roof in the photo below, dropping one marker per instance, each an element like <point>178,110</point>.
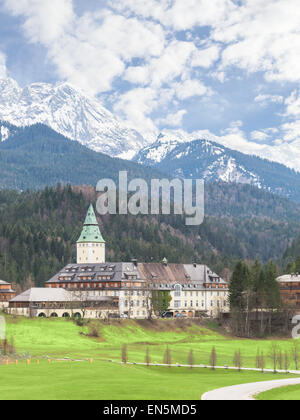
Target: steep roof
<point>188,275</point>
<point>4,282</point>
<point>91,231</point>
<point>117,271</point>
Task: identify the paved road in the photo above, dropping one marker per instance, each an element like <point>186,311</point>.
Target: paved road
<point>246,391</point>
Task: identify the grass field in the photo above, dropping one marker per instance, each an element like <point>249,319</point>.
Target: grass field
<point>108,381</point>
<point>58,338</point>
<point>287,393</point>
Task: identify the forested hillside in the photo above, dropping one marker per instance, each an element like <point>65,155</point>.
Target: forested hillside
<point>38,232</point>
<point>37,156</point>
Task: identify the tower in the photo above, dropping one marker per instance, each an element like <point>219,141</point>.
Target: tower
<point>90,245</point>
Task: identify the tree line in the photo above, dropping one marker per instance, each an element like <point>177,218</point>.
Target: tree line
<point>255,301</point>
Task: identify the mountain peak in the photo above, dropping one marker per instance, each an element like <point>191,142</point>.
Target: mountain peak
<point>212,162</point>
<point>70,112</point>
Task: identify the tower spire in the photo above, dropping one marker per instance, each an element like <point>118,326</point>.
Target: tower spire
<point>90,245</point>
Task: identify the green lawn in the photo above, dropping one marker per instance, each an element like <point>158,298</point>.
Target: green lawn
<point>287,393</point>
<point>59,338</point>
<point>104,380</point>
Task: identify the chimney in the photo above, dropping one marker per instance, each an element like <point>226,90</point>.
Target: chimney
<point>135,262</point>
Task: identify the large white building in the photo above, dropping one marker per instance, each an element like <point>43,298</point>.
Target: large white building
<point>100,286</point>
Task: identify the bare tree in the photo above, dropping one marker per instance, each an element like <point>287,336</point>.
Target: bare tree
<point>287,362</point>
<point>273,356</point>
<point>124,354</point>
<point>147,359</point>
<point>262,362</point>
<point>191,361</point>
<point>237,360</point>
<point>83,302</point>
<point>280,359</point>
<point>213,358</point>
<point>295,354</point>
<point>258,359</point>
<point>167,357</point>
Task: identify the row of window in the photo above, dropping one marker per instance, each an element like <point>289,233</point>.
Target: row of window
<point>137,293</point>
<point>177,293</point>
<point>91,245</point>
<point>177,304</point>
<point>134,303</point>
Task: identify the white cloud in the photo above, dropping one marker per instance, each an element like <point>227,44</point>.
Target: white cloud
<point>92,50</point>
<point>190,88</point>
<point>267,98</point>
<point>45,21</point>
<point>292,104</point>
<point>172,119</point>
<point>205,57</point>
<point>136,105</point>
<point>3,69</point>
<point>259,136</point>
<point>137,41</point>
<point>263,36</point>
<point>178,15</point>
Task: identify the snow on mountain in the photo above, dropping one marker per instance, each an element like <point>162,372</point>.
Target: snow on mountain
<point>205,159</point>
<point>4,132</point>
<point>69,112</point>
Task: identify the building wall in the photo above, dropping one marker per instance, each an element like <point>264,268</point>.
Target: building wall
<point>210,301</point>
<point>90,253</point>
<point>134,303</point>
<point>92,313</point>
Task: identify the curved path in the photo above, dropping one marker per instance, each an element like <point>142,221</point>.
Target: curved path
<point>246,391</point>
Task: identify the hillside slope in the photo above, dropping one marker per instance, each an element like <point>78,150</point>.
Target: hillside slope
<point>203,159</point>
<point>36,156</point>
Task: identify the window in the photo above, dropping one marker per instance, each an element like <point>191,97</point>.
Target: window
<point>178,289</point>
<point>177,304</point>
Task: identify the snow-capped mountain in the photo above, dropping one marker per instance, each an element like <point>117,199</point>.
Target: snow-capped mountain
<point>204,159</point>
<point>6,130</point>
<point>69,112</point>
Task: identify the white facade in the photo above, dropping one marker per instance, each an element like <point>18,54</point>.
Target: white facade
<point>212,302</point>
<point>90,253</point>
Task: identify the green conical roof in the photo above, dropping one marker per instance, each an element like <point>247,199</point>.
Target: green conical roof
<point>91,231</point>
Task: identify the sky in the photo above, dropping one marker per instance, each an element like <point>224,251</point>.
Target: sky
<point>226,70</point>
